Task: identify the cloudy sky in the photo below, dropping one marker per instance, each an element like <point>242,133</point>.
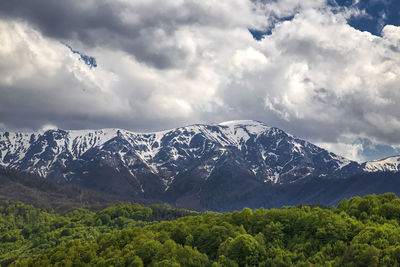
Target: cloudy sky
<point>326,71</point>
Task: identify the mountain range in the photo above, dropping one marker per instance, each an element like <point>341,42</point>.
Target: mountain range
<point>221,166</point>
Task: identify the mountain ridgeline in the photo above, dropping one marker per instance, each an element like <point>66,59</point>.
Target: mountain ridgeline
<point>219,167</point>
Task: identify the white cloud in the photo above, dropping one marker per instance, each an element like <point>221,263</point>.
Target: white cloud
<point>347,150</point>
<point>391,33</point>
<point>47,127</point>
<point>167,63</point>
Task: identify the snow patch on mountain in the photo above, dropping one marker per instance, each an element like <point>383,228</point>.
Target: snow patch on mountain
<point>391,164</point>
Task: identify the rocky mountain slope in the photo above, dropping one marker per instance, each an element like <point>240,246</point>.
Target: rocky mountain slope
<point>189,165</point>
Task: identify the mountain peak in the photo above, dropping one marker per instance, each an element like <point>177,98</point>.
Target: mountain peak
<point>250,126</point>
<point>242,123</point>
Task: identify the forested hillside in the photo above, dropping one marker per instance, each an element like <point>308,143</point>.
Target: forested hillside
<point>358,232</point>
<point>26,231</point>
<point>44,193</point>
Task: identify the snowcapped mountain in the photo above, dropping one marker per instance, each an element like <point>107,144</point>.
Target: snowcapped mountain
<point>176,164</point>
<point>390,164</point>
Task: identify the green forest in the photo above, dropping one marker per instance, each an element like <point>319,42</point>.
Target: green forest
<point>358,232</point>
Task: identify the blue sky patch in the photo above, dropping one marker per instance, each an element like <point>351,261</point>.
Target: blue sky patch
<point>378,14</point>
<point>90,61</point>
<point>373,151</point>
<point>260,34</point>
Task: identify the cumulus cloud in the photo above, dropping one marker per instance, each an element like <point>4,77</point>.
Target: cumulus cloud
<point>163,64</point>
<point>152,31</point>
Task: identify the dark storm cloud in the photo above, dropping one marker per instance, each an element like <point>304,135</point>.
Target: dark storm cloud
<point>136,28</point>
<point>65,19</point>
<point>90,22</point>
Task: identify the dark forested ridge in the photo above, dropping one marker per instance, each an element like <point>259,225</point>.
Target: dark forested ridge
<point>358,232</point>
<point>328,192</point>
<point>219,194</point>
<point>44,193</point>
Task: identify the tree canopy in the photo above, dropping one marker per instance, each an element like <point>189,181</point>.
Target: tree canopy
<point>358,232</point>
